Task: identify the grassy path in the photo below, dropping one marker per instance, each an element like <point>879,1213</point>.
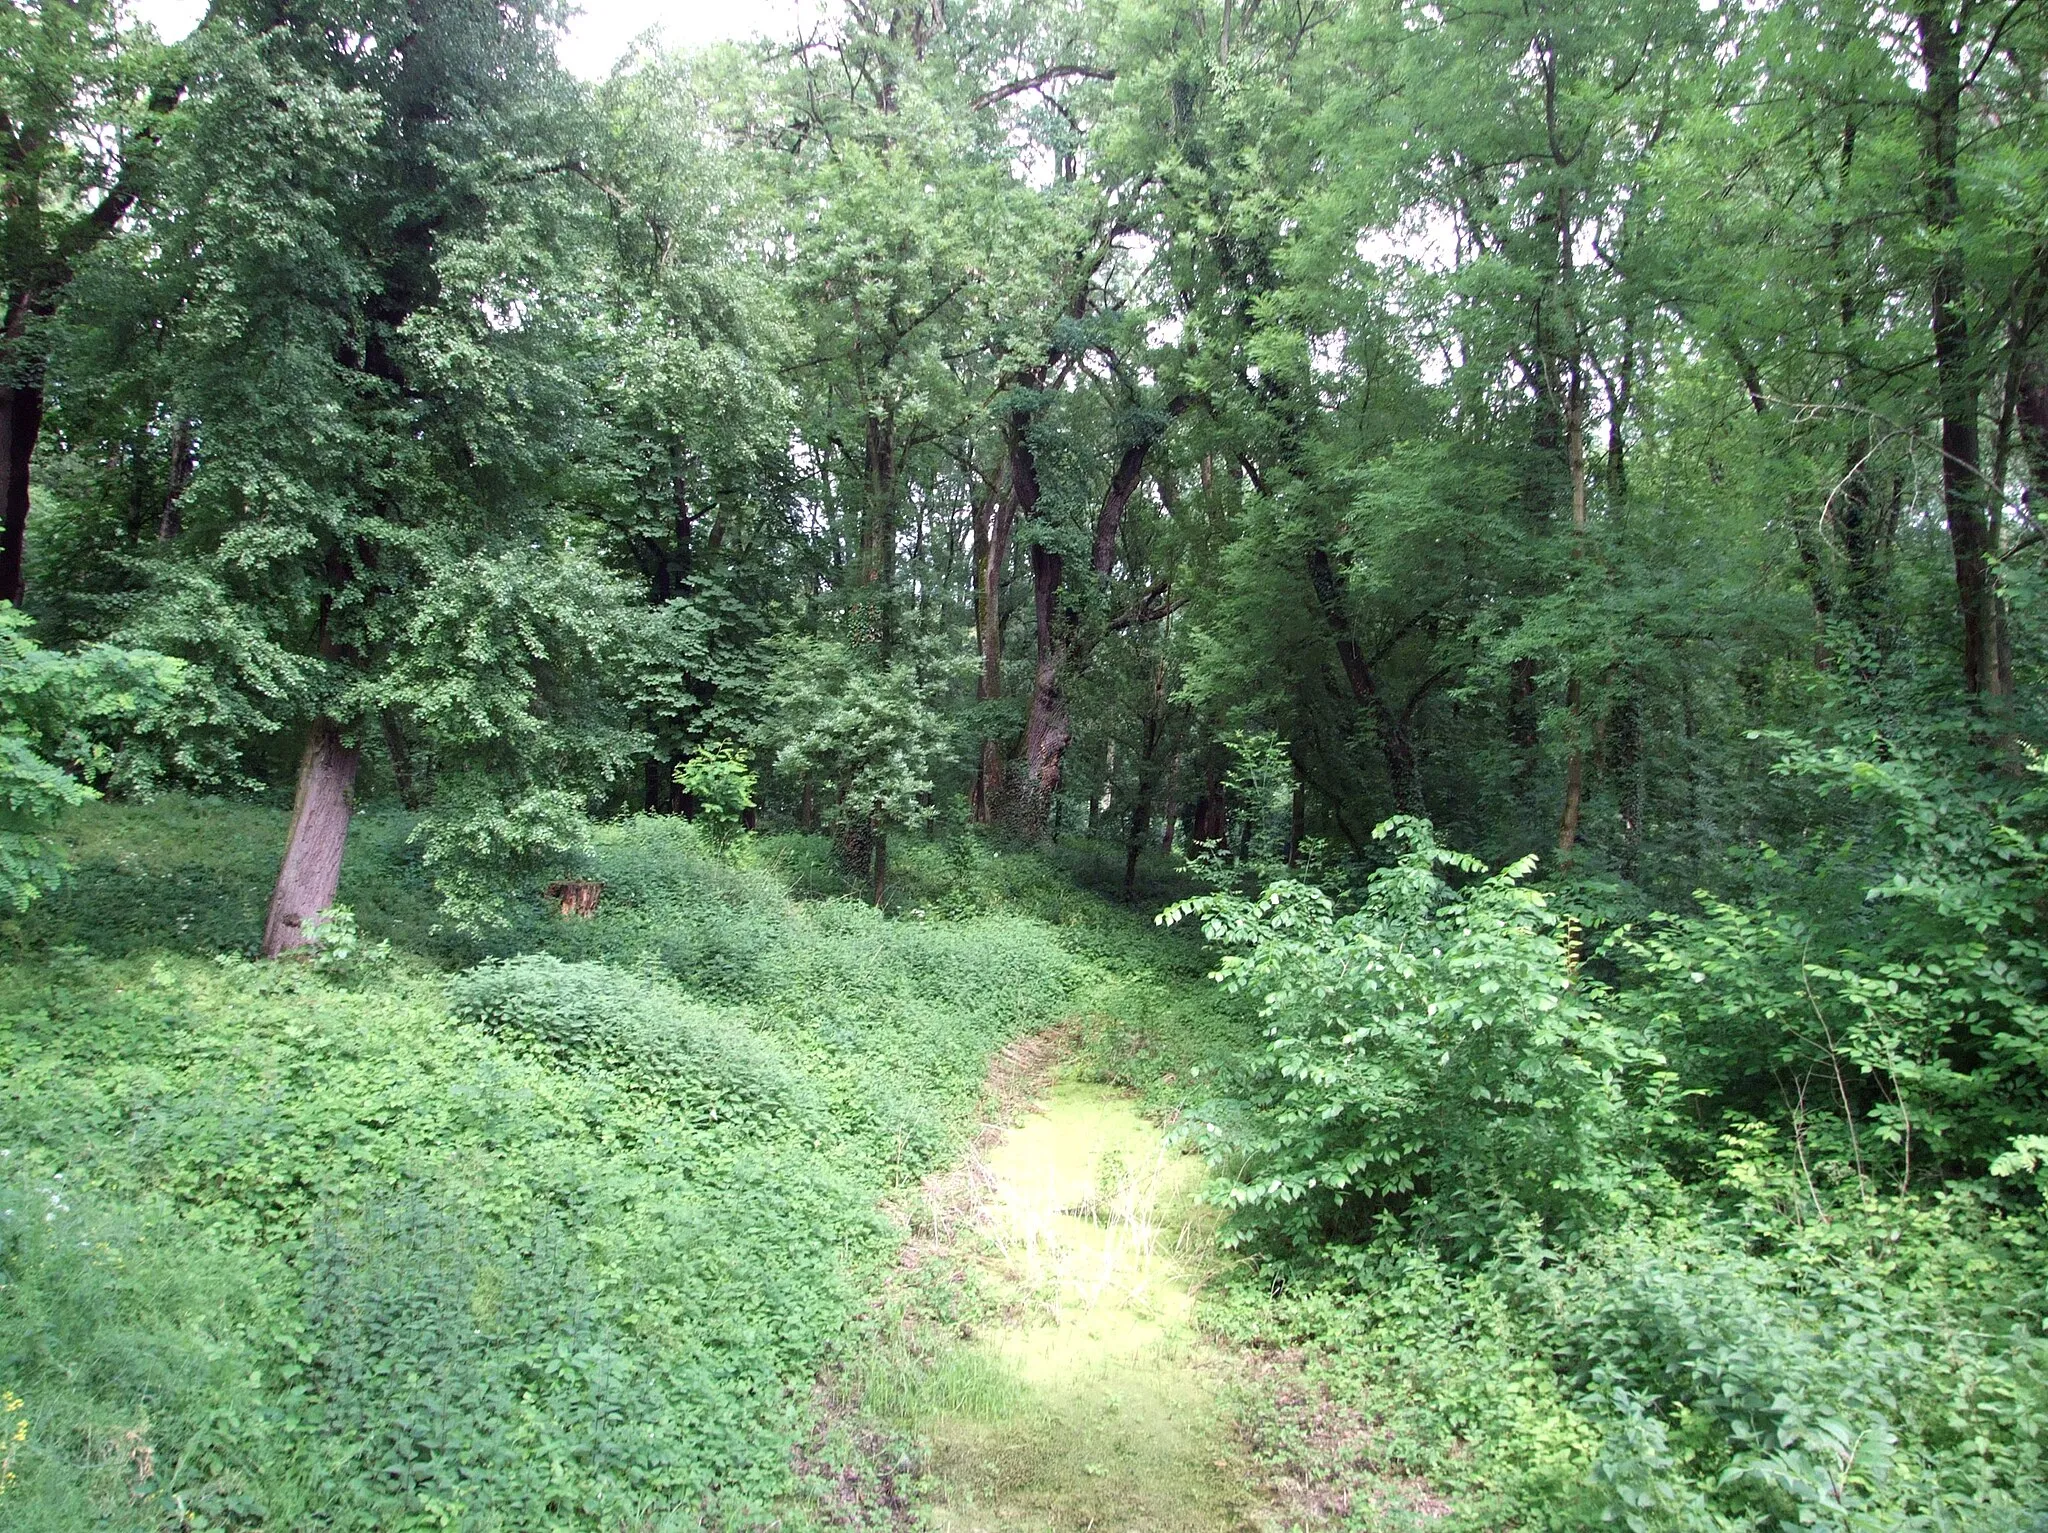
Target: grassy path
<point>1049,1361</point>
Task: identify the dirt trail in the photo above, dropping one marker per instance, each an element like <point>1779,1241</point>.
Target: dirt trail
<point>1048,1361</point>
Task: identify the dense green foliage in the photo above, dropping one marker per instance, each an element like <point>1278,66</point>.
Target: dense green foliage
<point>309,1244</point>
<point>1430,1051</point>
<point>980,458</point>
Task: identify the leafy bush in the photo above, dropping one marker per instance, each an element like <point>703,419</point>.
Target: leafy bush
<point>1892,989</point>
<point>709,1066</point>
<point>865,731</point>
<point>335,946</point>
<point>1677,1375</point>
<point>723,785</point>
<point>1433,1055</point>
<point>55,712</point>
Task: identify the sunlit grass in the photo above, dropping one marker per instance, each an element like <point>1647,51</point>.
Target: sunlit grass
<point>1092,1404</point>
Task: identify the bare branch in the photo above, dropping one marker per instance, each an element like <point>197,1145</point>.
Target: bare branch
<point>1057,72</point>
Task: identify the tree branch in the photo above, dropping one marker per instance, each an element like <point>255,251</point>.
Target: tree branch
<point>1057,72</point>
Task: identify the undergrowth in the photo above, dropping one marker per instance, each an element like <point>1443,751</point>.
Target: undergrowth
<point>548,1227</point>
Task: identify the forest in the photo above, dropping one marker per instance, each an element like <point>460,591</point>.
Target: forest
<point>1437,612</point>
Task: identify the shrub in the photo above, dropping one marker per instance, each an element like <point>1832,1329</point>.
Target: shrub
<point>1434,1055</point>
<point>709,1066</point>
<point>723,785</point>
<point>1677,1376</point>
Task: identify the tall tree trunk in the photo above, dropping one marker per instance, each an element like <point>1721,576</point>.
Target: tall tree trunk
<point>993,519</point>
<point>401,760</point>
<point>1958,382</point>
<point>1574,782</point>
<point>1522,730</point>
<point>1575,459</point>
<point>878,533</point>
<point>1046,728</point>
<point>1629,766</point>
<point>21,421</point>
<point>881,840</point>
<point>1141,805</point>
<point>1852,511</point>
<point>1212,814</point>
<point>1297,812</point>
<point>2033,427</point>
<point>1170,809</point>
<point>183,464</point>
<point>311,871</point>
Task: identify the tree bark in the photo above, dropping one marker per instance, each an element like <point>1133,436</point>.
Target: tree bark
<point>1574,783</point>
<point>2033,428</point>
<point>183,464</point>
<point>1141,804</point>
<point>1958,384</point>
<point>1575,459</point>
<point>993,520</point>
<point>21,420</point>
<point>311,871</point>
<point>878,532</point>
<point>1297,813</point>
<point>1047,730</point>
<point>1170,810</point>
<point>401,761</point>
<point>1212,815</point>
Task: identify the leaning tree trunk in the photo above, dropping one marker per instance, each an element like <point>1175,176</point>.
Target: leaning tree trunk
<point>311,871</point>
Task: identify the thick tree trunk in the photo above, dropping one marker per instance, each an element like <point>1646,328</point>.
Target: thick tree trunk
<point>2033,426</point>
<point>311,871</point>
<point>401,761</point>
<point>1958,383</point>
<point>1212,814</point>
<point>881,866</point>
<point>1148,773</point>
<point>1522,710</point>
<point>878,534</point>
<point>1046,728</point>
<point>21,421</point>
<point>183,464</point>
<point>1109,520</point>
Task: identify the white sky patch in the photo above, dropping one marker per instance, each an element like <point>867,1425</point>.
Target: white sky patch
<point>600,31</point>
<point>1427,240</point>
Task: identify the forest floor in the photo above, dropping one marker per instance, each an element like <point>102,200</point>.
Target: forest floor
<point>1039,1345</point>
<point>1042,1355</point>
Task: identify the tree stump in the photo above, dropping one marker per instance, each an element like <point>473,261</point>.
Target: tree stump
<point>578,896</point>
